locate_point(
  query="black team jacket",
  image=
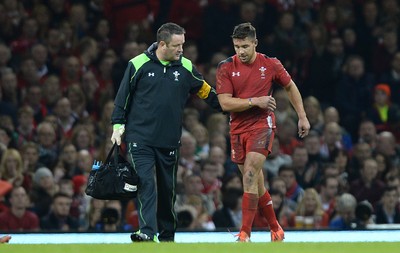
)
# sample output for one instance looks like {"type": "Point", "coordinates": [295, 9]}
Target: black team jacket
{"type": "Point", "coordinates": [152, 96]}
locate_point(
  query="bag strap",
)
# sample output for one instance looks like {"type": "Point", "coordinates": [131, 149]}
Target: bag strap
{"type": "Point", "coordinates": [116, 154]}
{"type": "Point", "coordinates": [110, 153]}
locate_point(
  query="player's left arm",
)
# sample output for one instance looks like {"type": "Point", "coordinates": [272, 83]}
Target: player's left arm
{"type": "Point", "coordinates": [297, 102]}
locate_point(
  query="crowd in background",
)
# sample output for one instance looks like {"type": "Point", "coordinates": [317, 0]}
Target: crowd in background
{"type": "Point", "coordinates": [61, 63]}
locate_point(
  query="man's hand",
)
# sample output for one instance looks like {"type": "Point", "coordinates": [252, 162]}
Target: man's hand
{"type": "Point", "coordinates": [118, 131]}
{"type": "Point", "coordinates": [265, 102]}
{"type": "Point", "coordinates": [304, 127]}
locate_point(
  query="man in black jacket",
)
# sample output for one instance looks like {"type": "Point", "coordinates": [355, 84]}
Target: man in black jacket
{"type": "Point", "coordinates": [149, 105]}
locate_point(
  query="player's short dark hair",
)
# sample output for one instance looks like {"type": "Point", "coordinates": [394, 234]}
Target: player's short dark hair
{"type": "Point", "coordinates": [165, 32]}
{"type": "Point", "coordinates": [244, 30]}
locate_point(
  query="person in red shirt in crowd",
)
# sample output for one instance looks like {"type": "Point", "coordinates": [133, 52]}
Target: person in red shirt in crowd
{"type": "Point", "coordinates": [244, 87]}
{"type": "Point", "coordinates": [121, 13]}
{"type": "Point", "coordinates": [18, 218]}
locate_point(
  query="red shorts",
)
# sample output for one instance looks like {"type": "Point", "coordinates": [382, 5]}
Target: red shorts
{"type": "Point", "coordinates": [259, 141]}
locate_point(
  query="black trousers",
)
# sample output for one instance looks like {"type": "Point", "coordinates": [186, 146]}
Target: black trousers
{"type": "Point", "coordinates": [156, 168]}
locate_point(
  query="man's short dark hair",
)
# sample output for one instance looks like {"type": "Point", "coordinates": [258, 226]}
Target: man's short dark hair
{"type": "Point", "coordinates": [244, 30]}
{"type": "Point", "coordinates": [165, 32]}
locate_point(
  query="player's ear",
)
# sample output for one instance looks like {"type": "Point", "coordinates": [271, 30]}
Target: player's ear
{"type": "Point", "coordinates": [255, 42]}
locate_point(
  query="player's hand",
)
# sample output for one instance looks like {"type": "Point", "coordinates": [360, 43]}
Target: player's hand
{"type": "Point", "coordinates": [118, 131]}
{"type": "Point", "coordinates": [266, 102]}
{"type": "Point", "coordinates": [304, 127]}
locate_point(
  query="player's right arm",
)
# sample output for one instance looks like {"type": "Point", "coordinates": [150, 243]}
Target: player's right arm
{"type": "Point", "coordinates": [232, 104]}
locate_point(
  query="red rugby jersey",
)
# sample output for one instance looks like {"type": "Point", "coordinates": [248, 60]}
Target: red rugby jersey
{"type": "Point", "coordinates": [247, 81]}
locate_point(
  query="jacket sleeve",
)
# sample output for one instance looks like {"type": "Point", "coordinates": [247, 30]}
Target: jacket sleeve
{"type": "Point", "coordinates": [205, 91]}
{"type": "Point", "coordinates": [124, 95]}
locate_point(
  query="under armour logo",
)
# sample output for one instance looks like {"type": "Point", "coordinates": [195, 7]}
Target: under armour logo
{"type": "Point", "coordinates": [235, 73]}
{"type": "Point", "coordinates": [172, 153]}
{"type": "Point", "coordinates": [134, 145]}
{"type": "Point", "coordinates": [151, 74]}
{"type": "Point", "coordinates": [176, 74]}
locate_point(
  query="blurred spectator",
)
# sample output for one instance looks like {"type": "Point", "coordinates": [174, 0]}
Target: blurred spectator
{"type": "Point", "coordinates": [67, 165]}
{"type": "Point", "coordinates": [200, 133]}
{"type": "Point", "coordinates": [129, 50]}
{"type": "Point", "coordinates": [307, 173]}
{"type": "Point", "coordinates": [331, 114]}
{"type": "Point", "coordinates": [387, 146]}
{"type": "Point", "coordinates": [83, 138]}
{"type": "Point", "coordinates": [368, 187]}
{"type": "Point", "coordinates": [211, 182]}
{"type": "Point", "coordinates": [230, 215]}
{"type": "Point", "coordinates": [217, 38]}
{"type": "Point", "coordinates": [202, 220]}
{"type": "Point", "coordinates": [51, 92]}
{"type": "Point", "coordinates": [88, 52]}
{"type": "Point", "coordinates": [391, 76]}
{"type": "Point", "coordinates": [33, 99]}
{"type": "Point", "coordinates": [26, 124]}
{"type": "Point", "coordinates": [41, 13]}
{"type": "Point", "coordinates": [121, 13]}
{"type": "Point", "coordinates": [314, 112]}
{"type": "Point", "coordinates": [368, 28]}
{"type": "Point", "coordinates": [384, 114]}
{"type": "Point", "coordinates": [94, 214]}
{"type": "Point", "coordinates": [367, 133]}
{"type": "Point", "coordinates": [283, 110]}
{"type": "Point", "coordinates": [81, 202]}
{"type": "Point", "coordinates": [331, 18]}
{"type": "Point", "coordinates": [278, 184]}
{"type": "Point", "coordinates": [101, 32]}
{"type": "Point", "coordinates": [65, 116]}
{"type": "Point", "coordinates": [383, 52]}
{"type": "Point", "coordinates": [59, 218]}
{"type": "Point", "coordinates": [290, 41]}
{"type": "Point", "coordinates": [12, 167]}
{"type": "Point", "coordinates": [48, 148]}
{"type": "Point", "coordinates": [310, 212]}
{"type": "Point", "coordinates": [286, 133]}
{"type": "Point", "coordinates": [189, 14]}
{"type": "Point", "coordinates": [78, 102]}
{"type": "Point", "coordinates": [28, 36]}
{"type": "Point", "coordinates": [345, 213]}
{"type": "Point", "coordinates": [30, 157]}
{"type": "Point", "coordinates": [43, 190]}
{"type": "Point", "coordinates": [188, 158]}
{"type": "Point", "coordinates": [293, 190]}
{"type": "Point", "coordinates": [191, 117]}
{"type": "Point", "coordinates": [5, 57]}
{"type": "Point", "coordinates": [40, 57]}
{"type": "Point", "coordinates": [353, 93]}
{"type": "Point", "coordinates": [275, 160]}
{"type": "Point", "coordinates": [329, 189]}
{"type": "Point", "coordinates": [71, 72]}
{"type": "Point", "coordinates": [388, 211]}
{"type": "Point", "coordinates": [9, 86]}
{"type": "Point", "coordinates": [18, 218]}
{"type": "Point", "coordinates": [362, 151]}
{"type": "Point", "coordinates": [332, 139]}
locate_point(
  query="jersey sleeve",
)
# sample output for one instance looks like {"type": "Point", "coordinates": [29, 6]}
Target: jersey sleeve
{"type": "Point", "coordinates": [282, 77]}
{"type": "Point", "coordinates": [224, 83]}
